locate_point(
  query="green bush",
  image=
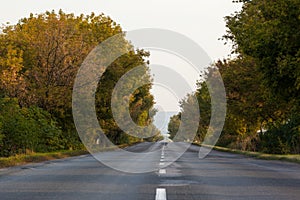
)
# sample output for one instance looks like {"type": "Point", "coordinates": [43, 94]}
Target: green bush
{"type": "Point", "coordinates": [1, 135]}
{"type": "Point", "coordinates": [282, 138]}
{"type": "Point", "coordinates": [27, 129]}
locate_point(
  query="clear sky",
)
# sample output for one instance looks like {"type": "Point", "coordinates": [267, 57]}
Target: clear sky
{"type": "Point", "coordinates": [200, 20]}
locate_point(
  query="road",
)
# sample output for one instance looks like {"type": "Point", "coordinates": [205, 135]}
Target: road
{"type": "Point", "coordinates": [219, 176]}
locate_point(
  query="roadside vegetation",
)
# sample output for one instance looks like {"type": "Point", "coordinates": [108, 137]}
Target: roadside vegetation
{"type": "Point", "coordinates": [39, 59]}
{"type": "Point", "coordinates": [262, 80]}
{"type": "Point", "coordinates": [33, 157]}
{"type": "Point", "coordinates": [21, 159]}
{"type": "Point", "coordinates": [259, 155]}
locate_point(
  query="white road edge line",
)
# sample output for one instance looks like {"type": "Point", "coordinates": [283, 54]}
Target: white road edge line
{"type": "Point", "coordinates": [161, 194]}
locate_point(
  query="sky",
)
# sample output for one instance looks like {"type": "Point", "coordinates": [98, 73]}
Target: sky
{"type": "Point", "coordinates": [200, 20]}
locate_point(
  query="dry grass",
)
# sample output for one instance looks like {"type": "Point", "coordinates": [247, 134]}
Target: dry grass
{"type": "Point", "coordinates": [37, 157]}
{"type": "Point", "coordinates": [289, 157]}
{"type": "Point", "coordinates": [41, 157]}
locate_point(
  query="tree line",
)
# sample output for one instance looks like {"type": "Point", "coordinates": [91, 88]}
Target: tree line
{"type": "Point", "coordinates": [262, 82]}
{"type": "Point", "coordinates": [39, 60]}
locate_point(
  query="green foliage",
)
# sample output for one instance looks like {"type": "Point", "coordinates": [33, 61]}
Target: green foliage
{"type": "Point", "coordinates": [282, 138]}
{"type": "Point", "coordinates": [250, 108]}
{"type": "Point", "coordinates": [39, 59]}
{"type": "Point", "coordinates": [251, 105]}
{"type": "Point", "coordinates": [173, 125]}
{"type": "Point", "coordinates": [204, 101]}
{"type": "Point", "coordinates": [184, 126]}
{"type": "Point", "coordinates": [262, 83]}
{"type": "Point", "coordinates": [140, 101]}
{"type": "Point", "coordinates": [27, 129]}
{"type": "Point", "coordinates": [269, 31]}
{"type": "Point", "coordinates": [1, 132]}
{"type": "Point", "coordinates": [42, 54]}
{"type": "Point", "coordinates": [266, 33]}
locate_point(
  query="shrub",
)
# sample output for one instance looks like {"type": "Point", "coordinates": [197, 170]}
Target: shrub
{"type": "Point", "coordinates": [27, 129]}
{"type": "Point", "coordinates": [283, 138]}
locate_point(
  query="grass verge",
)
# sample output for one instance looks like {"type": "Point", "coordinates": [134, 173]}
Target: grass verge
{"type": "Point", "coordinates": [289, 157]}
{"type": "Point", "coordinates": [41, 157]}
{"type": "Point", "coordinates": [37, 157]}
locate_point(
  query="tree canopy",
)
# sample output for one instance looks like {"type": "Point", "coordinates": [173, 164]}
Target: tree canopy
{"type": "Point", "coordinates": [269, 32]}
{"type": "Point", "coordinates": [39, 60]}
{"type": "Point", "coordinates": [262, 82]}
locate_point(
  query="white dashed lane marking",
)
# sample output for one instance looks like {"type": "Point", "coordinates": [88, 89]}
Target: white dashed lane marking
{"type": "Point", "coordinates": [161, 194]}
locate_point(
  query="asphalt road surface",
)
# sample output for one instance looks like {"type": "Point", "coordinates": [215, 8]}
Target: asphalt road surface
{"type": "Point", "coordinates": [218, 176]}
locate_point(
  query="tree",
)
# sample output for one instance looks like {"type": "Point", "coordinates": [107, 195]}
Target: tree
{"type": "Point", "coordinates": [46, 51]}
{"type": "Point", "coordinates": [173, 125]}
{"type": "Point", "coordinates": [11, 82]}
{"type": "Point", "coordinates": [251, 106]}
{"type": "Point", "coordinates": [204, 101]}
{"type": "Point", "coordinates": [140, 101]}
{"type": "Point", "coordinates": [269, 31]}
{"type": "Point", "coordinates": [40, 57]}
{"type": "Point", "coordinates": [262, 83]}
